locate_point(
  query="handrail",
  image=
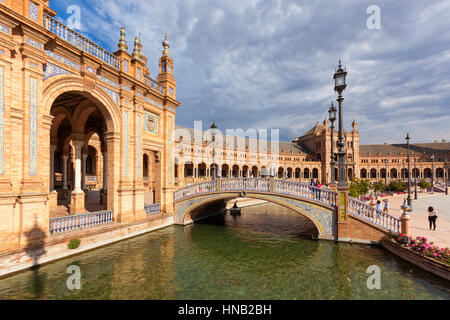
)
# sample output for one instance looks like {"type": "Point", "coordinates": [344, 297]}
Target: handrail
{"type": "Point", "coordinates": [284, 187]}
{"type": "Point", "coordinates": [366, 212]}
{"type": "Point", "coordinates": [70, 223]}
{"type": "Point", "coordinates": [79, 41]}
{"type": "Point", "coordinates": [152, 208]}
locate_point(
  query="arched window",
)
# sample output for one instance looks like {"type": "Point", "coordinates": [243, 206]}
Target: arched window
{"type": "Point", "coordinates": [89, 164]}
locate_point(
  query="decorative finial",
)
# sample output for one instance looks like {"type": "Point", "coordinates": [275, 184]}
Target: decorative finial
{"type": "Point", "coordinates": [122, 42]}
{"type": "Point", "coordinates": [136, 48]}
{"type": "Point", "coordinates": [140, 46]}
{"type": "Point", "coordinates": [166, 46]}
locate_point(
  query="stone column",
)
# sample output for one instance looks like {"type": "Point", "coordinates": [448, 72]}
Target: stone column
{"type": "Point", "coordinates": [65, 158]}
{"type": "Point", "coordinates": [52, 167]}
{"type": "Point", "coordinates": [77, 181]}
{"type": "Point", "coordinates": [77, 196]}
{"type": "Point", "coordinates": [83, 176]}
{"type": "Point", "coordinates": [53, 196]}
{"type": "Point", "coordinates": [104, 190]}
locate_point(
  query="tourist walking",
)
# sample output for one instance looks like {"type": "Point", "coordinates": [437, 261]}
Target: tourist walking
{"type": "Point", "coordinates": [432, 216]}
{"type": "Point", "coordinates": [386, 206]}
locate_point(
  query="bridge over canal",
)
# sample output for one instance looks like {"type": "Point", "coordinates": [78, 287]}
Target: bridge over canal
{"type": "Point", "coordinates": [336, 215]}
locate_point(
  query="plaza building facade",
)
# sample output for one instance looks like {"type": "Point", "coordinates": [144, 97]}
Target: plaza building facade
{"type": "Point", "coordinates": [81, 129]}
{"type": "Point", "coordinates": [306, 157]}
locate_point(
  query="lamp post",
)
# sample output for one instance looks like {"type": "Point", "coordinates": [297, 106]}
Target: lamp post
{"type": "Point", "coordinates": [415, 179]}
{"type": "Point", "coordinates": [386, 173]}
{"type": "Point", "coordinates": [446, 176]}
{"type": "Point", "coordinates": [332, 117]}
{"type": "Point", "coordinates": [409, 170]}
{"type": "Point", "coordinates": [339, 87]}
{"type": "Point", "coordinates": [213, 138]}
{"type": "Point", "coordinates": [432, 173]}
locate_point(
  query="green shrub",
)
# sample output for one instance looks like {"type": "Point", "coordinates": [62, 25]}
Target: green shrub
{"type": "Point", "coordinates": [424, 184]}
{"type": "Point", "coordinates": [397, 186]}
{"type": "Point", "coordinates": [73, 244]}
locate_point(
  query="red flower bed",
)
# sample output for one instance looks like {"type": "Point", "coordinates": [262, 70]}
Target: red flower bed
{"type": "Point", "coordinates": [421, 245]}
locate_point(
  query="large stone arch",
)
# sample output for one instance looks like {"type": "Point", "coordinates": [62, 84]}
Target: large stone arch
{"type": "Point", "coordinates": [322, 216]}
{"type": "Point", "coordinates": [57, 85]}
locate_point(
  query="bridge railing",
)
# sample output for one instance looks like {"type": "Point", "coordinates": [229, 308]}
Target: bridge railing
{"type": "Point", "coordinates": [285, 187]}
{"type": "Point", "coordinates": [366, 212]}
{"type": "Point", "coordinates": [80, 42]}
{"type": "Point", "coordinates": [70, 223]}
{"type": "Point", "coordinates": [304, 190]}
{"type": "Point", "coordinates": [246, 184]}
{"type": "Point", "coordinates": [199, 188]}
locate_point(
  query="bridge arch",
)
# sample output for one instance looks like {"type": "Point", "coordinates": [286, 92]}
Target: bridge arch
{"type": "Point", "coordinates": [321, 216]}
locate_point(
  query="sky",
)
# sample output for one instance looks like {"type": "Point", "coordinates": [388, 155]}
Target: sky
{"type": "Point", "coordinates": [268, 64]}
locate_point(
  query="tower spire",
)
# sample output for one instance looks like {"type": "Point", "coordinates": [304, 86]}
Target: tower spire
{"type": "Point", "coordinates": [137, 43]}
{"type": "Point", "coordinates": [122, 42]}
{"type": "Point", "coordinates": [166, 46]}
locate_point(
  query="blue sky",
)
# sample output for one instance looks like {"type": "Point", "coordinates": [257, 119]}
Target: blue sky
{"type": "Point", "coordinates": [269, 64]}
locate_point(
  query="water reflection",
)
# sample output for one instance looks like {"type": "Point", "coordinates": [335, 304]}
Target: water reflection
{"type": "Point", "coordinates": [254, 256]}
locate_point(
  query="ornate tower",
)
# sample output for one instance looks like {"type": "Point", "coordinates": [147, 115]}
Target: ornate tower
{"type": "Point", "coordinates": [165, 76]}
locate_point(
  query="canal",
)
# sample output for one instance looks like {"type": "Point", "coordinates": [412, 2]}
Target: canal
{"type": "Point", "coordinates": [265, 253]}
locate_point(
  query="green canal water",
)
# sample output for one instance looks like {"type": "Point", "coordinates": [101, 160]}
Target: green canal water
{"type": "Point", "coordinates": [262, 254]}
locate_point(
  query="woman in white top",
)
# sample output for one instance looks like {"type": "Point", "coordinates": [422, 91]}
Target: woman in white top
{"type": "Point", "coordinates": [432, 216]}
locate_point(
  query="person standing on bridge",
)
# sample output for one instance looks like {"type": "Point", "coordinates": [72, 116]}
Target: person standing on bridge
{"type": "Point", "coordinates": [386, 206]}
{"type": "Point", "coordinates": [432, 216]}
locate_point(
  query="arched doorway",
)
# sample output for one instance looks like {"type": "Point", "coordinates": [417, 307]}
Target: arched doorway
{"type": "Point", "coordinates": [79, 127]}
{"type": "Point", "coordinates": [245, 171]}
{"type": "Point", "coordinates": [225, 171]}
{"type": "Point", "coordinates": [235, 171]}
{"type": "Point", "coordinates": [280, 173]}
{"type": "Point", "coordinates": [363, 174]}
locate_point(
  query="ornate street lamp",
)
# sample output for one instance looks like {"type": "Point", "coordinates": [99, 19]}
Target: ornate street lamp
{"type": "Point", "coordinates": [432, 173]}
{"type": "Point", "coordinates": [332, 116]}
{"type": "Point", "coordinates": [415, 179]}
{"type": "Point", "coordinates": [213, 139]}
{"type": "Point", "coordinates": [409, 170]}
{"type": "Point", "coordinates": [446, 176]}
{"type": "Point", "coordinates": [386, 173]}
{"type": "Point", "coordinates": [339, 86]}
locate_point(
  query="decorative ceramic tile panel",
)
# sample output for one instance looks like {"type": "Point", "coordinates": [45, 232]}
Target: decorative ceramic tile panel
{"type": "Point", "coordinates": [2, 121]}
{"type": "Point", "coordinates": [138, 160]}
{"type": "Point", "coordinates": [90, 69]}
{"type": "Point", "coordinates": [125, 87]}
{"type": "Point", "coordinates": [50, 70]}
{"type": "Point", "coordinates": [125, 143]}
{"type": "Point", "coordinates": [34, 11]}
{"type": "Point", "coordinates": [33, 125]}
{"type": "Point", "coordinates": [125, 65]}
{"type": "Point", "coordinates": [63, 60]}
{"type": "Point", "coordinates": [155, 103]}
{"type": "Point", "coordinates": [151, 122]}
{"type": "Point", "coordinates": [5, 29]}
{"type": "Point", "coordinates": [114, 95]}
{"type": "Point", "coordinates": [34, 43]}
{"type": "Point", "coordinates": [110, 82]}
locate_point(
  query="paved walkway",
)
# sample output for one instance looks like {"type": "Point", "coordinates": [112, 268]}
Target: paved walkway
{"type": "Point", "coordinates": [419, 216]}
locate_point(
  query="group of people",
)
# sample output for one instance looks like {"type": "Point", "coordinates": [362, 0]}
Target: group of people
{"type": "Point", "coordinates": [432, 213]}
{"type": "Point", "coordinates": [379, 207]}
{"type": "Point", "coordinates": [316, 183]}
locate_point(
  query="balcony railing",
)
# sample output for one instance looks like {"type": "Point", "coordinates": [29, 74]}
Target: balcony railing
{"type": "Point", "coordinates": [152, 208]}
{"type": "Point", "coordinates": [80, 41]}
{"type": "Point", "coordinates": [70, 223]}
{"type": "Point", "coordinates": [154, 85]}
